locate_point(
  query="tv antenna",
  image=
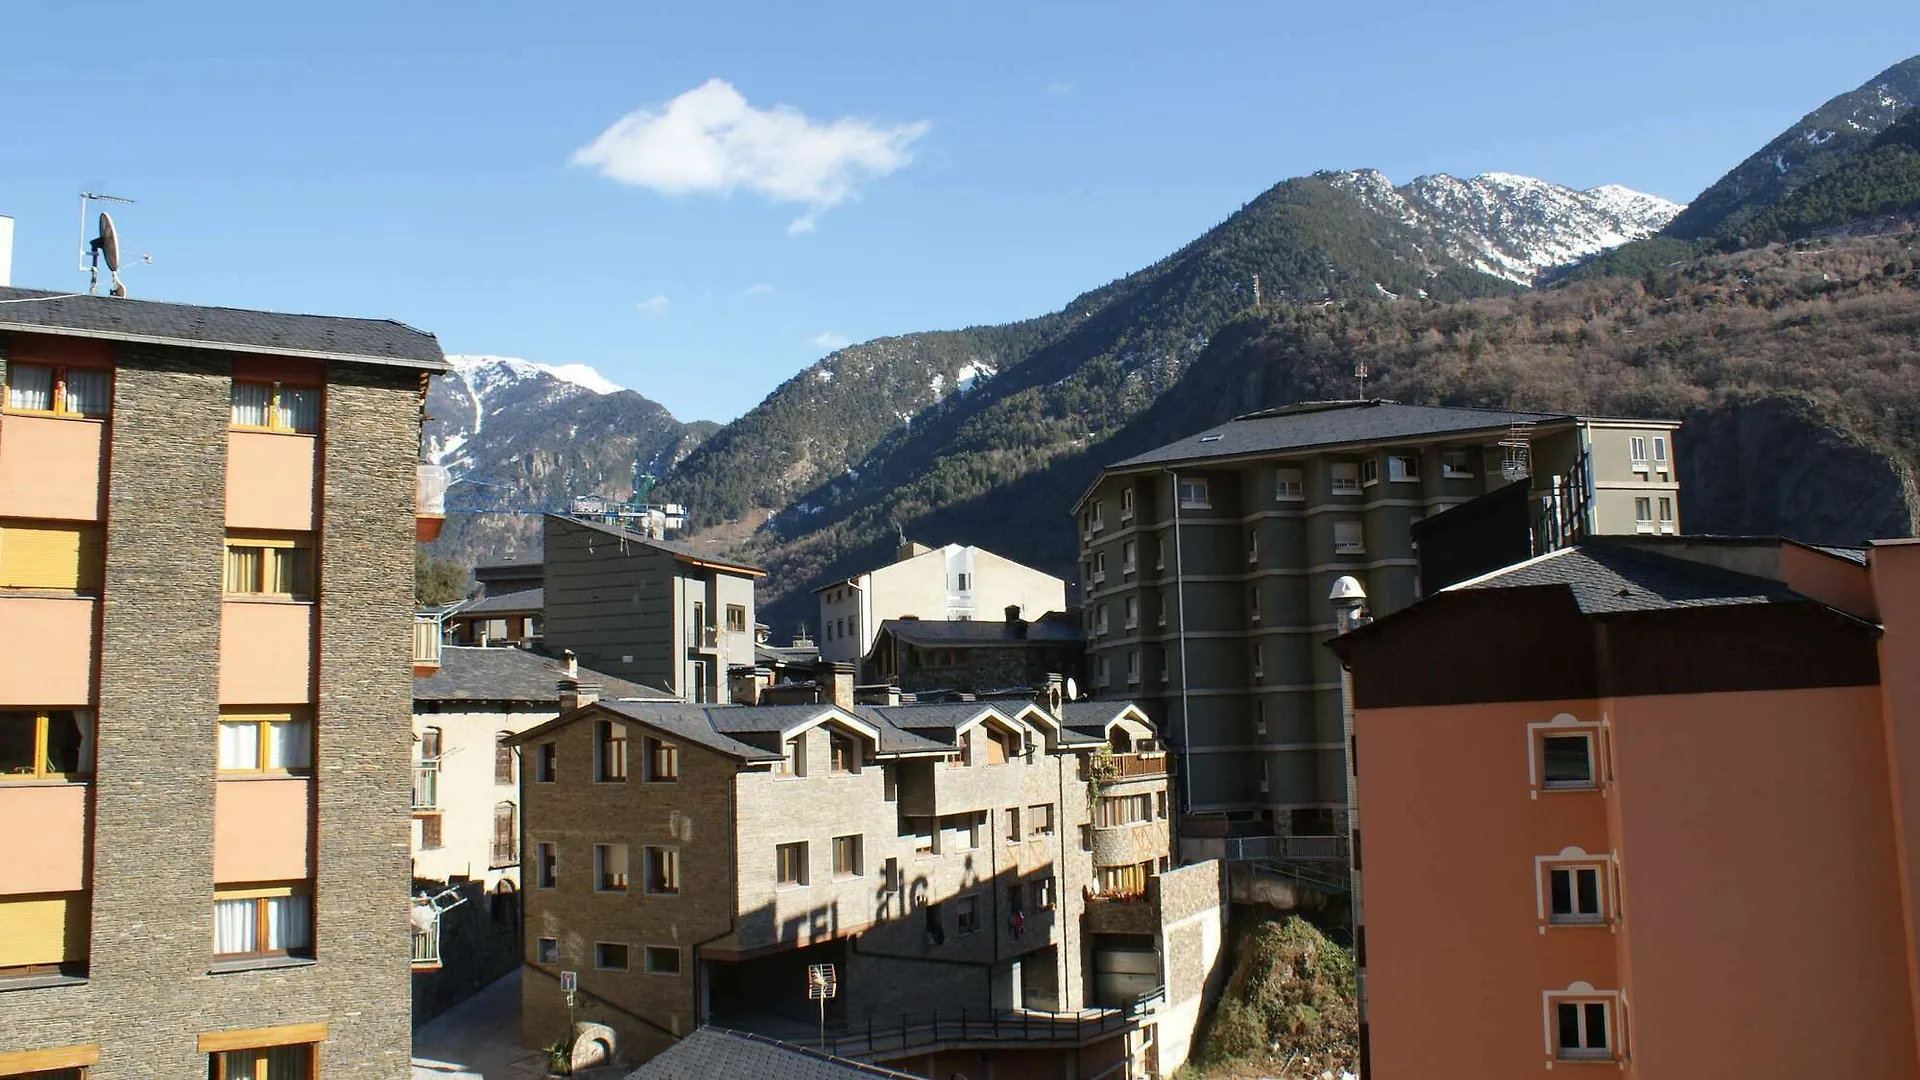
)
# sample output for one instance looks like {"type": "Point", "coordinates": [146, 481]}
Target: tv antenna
{"type": "Point", "coordinates": [106, 245]}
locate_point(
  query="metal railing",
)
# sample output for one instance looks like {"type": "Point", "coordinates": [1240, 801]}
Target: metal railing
{"type": "Point", "coordinates": [426, 945]}
{"type": "Point", "coordinates": [1303, 848]}
{"type": "Point", "coordinates": [908, 1033]}
{"type": "Point", "coordinates": [426, 785]}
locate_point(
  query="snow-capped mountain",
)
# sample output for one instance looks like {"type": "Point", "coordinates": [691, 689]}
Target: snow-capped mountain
{"type": "Point", "coordinates": [522, 437]}
{"type": "Point", "coordinates": [1507, 225]}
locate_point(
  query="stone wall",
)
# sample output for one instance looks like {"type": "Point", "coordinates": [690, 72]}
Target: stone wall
{"type": "Point", "coordinates": [1193, 915]}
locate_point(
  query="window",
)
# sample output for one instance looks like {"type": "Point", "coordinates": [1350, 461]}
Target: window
{"type": "Point", "coordinates": [431, 838]}
{"type": "Point", "coordinates": [546, 950]}
{"type": "Point", "coordinates": [1100, 672]}
{"type": "Point", "coordinates": [1159, 554]}
{"type": "Point", "coordinates": [1349, 538]}
{"type": "Point", "coordinates": [1194, 495]}
{"type": "Point", "coordinates": [962, 582]}
{"type": "Point", "coordinates": [1643, 514]}
{"type": "Point", "coordinates": [292, 1062]}
{"type": "Point", "coordinates": [964, 757]}
{"type": "Point", "coordinates": [663, 871]}
{"type": "Point", "coordinates": [272, 921]}
{"type": "Point", "coordinates": [1253, 603]}
{"type": "Point", "coordinates": [1100, 620]}
{"type": "Point", "coordinates": [936, 926]}
{"type": "Point", "coordinates": [609, 752]}
{"type": "Point", "coordinates": [502, 758]}
{"type": "Point", "coordinates": [737, 618]}
{"type": "Point", "coordinates": [1040, 820]}
{"type": "Point", "coordinates": [1369, 472]}
{"type": "Point", "coordinates": [45, 744]}
{"type": "Point", "coordinates": [791, 863]}
{"type": "Point", "coordinates": [1581, 1030]}
{"type": "Point", "coordinates": [1289, 485]}
{"type": "Point", "coordinates": [1666, 514]}
{"type": "Point", "coordinates": [1160, 805]}
{"type": "Point", "coordinates": [1345, 477]}
{"type": "Point", "coordinates": [1574, 893]}
{"type": "Point", "coordinates": [268, 741]}
{"type": "Point", "coordinates": [1456, 463]}
{"type": "Point", "coordinates": [546, 866]}
{"type": "Point", "coordinates": [506, 837]}
{"type": "Point", "coordinates": [661, 960]}
{"type": "Point", "coordinates": [1133, 666]}
{"type": "Point", "coordinates": [63, 391]}
{"type": "Point", "coordinates": [846, 856]}
{"type": "Point", "coordinates": [1086, 838]}
{"type": "Point", "coordinates": [1126, 504]}
{"type": "Point", "coordinates": [1122, 880]}
{"type": "Point", "coordinates": [795, 761]}
{"type": "Point", "coordinates": [1403, 468]}
{"type": "Point", "coordinates": [1164, 606]}
{"type": "Point", "coordinates": [276, 406]}
{"type": "Point", "coordinates": [52, 558]}
{"type": "Point", "coordinates": [967, 914]}
{"type": "Point", "coordinates": [45, 935]}
{"type": "Point", "coordinates": [1567, 761]}
{"type": "Point", "coordinates": [1099, 514]}
{"type": "Point", "coordinates": [663, 761]}
{"type": "Point", "coordinates": [1126, 557]}
{"type": "Point", "coordinates": [1258, 660]}
{"type": "Point", "coordinates": [269, 564]}
{"type": "Point", "coordinates": [844, 752]}
{"type": "Point", "coordinates": [976, 826]}
{"type": "Point", "coordinates": [1660, 452]}
{"type": "Point", "coordinates": [925, 836]}
{"type": "Point", "coordinates": [1013, 824]}
{"type": "Point", "coordinates": [1045, 894]}
{"type": "Point", "coordinates": [1099, 566]}
{"type": "Point", "coordinates": [1637, 453]}
{"type": "Point", "coordinates": [610, 867]}
{"type": "Point", "coordinates": [1130, 612]}
{"type": "Point", "coordinates": [1002, 746]}
{"type": "Point", "coordinates": [543, 763]}
{"type": "Point", "coordinates": [1116, 810]}
{"type": "Point", "coordinates": [610, 955]}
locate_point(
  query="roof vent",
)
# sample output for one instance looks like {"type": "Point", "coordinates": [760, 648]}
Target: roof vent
{"type": "Point", "coordinates": [1209, 438]}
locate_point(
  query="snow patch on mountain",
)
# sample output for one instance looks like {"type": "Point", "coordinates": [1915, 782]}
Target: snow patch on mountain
{"type": "Point", "coordinates": [491, 371]}
{"type": "Point", "coordinates": [1508, 225]}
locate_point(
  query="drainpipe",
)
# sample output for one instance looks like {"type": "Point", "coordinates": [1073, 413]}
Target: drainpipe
{"type": "Point", "coordinates": [1180, 605]}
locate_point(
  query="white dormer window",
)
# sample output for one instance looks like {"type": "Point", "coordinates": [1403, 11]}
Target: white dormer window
{"type": "Point", "coordinates": [1289, 485]}
{"type": "Point", "coordinates": [1346, 478]}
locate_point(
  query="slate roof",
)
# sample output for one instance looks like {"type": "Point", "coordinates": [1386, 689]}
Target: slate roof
{"type": "Point", "coordinates": [522, 600]}
{"type": "Point", "coordinates": [1090, 718]}
{"type": "Point", "coordinates": [1329, 423]}
{"type": "Point", "coordinates": [1052, 628]}
{"type": "Point", "coordinates": [1606, 579]}
{"type": "Point", "coordinates": [677, 550]}
{"type": "Point", "coordinates": [1851, 554]}
{"type": "Point", "coordinates": [471, 673]}
{"type": "Point", "coordinates": [711, 1053]}
{"type": "Point", "coordinates": [325, 337]}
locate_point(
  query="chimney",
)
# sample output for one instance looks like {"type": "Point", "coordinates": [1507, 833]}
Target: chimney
{"type": "Point", "coordinates": [908, 550]}
{"type": "Point", "coordinates": [1051, 695]}
{"type": "Point", "coordinates": [837, 677]}
{"type": "Point", "coordinates": [1018, 624]}
{"type": "Point", "coordinates": [573, 663]}
{"type": "Point", "coordinates": [6, 250]}
{"type": "Point", "coordinates": [575, 694]}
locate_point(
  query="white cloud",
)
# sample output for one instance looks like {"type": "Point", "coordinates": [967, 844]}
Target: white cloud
{"type": "Point", "coordinates": [758, 288]}
{"type": "Point", "coordinates": [1059, 89]}
{"type": "Point", "coordinates": [710, 141]}
{"type": "Point", "coordinates": [829, 341]}
{"type": "Point", "coordinates": [802, 225]}
{"type": "Point", "coordinates": [654, 305]}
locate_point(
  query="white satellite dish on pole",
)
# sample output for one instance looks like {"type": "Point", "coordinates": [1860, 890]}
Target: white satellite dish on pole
{"type": "Point", "coordinates": [105, 245]}
{"type": "Point", "coordinates": [1073, 689]}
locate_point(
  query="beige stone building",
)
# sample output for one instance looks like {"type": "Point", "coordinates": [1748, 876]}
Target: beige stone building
{"type": "Point", "coordinates": [1206, 566]}
{"type": "Point", "coordinates": [207, 522]}
{"type": "Point", "coordinates": [984, 877]}
{"type": "Point", "coordinates": [950, 583]}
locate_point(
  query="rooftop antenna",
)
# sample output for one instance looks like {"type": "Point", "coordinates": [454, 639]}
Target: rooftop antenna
{"type": "Point", "coordinates": [1360, 373]}
{"type": "Point", "coordinates": [106, 244]}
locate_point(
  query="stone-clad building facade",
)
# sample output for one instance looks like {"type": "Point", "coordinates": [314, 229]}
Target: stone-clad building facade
{"type": "Point", "coordinates": [690, 863]}
{"type": "Point", "coordinates": [206, 518]}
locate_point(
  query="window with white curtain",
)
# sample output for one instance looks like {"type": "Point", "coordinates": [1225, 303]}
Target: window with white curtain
{"type": "Point", "coordinates": [270, 565]}
{"type": "Point", "coordinates": [276, 406]}
{"type": "Point", "coordinates": [267, 922]}
{"type": "Point", "coordinates": [30, 386]}
{"type": "Point", "coordinates": [87, 391]}
{"type": "Point", "coordinates": [265, 741]}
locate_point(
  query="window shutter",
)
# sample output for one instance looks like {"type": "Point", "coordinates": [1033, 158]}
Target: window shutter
{"type": "Point", "coordinates": [50, 557]}
{"type": "Point", "coordinates": [43, 930]}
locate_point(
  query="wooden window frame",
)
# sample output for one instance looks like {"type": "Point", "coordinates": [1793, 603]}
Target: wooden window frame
{"type": "Point", "coordinates": [59, 409]}
{"type": "Point", "coordinates": [610, 767]}
{"type": "Point", "coordinates": [502, 758]}
{"type": "Point", "coordinates": [648, 952]}
{"type": "Point", "coordinates": [269, 543]}
{"type": "Point", "coordinates": [259, 895]}
{"type": "Point", "coordinates": [658, 752]}
{"type": "Point", "coordinates": [273, 406]}
{"type": "Point", "coordinates": [263, 721]}
{"type": "Point", "coordinates": [546, 758]}
{"type": "Point", "coordinates": [26, 1063]}
{"type": "Point", "coordinates": [546, 865]}
{"type": "Point", "coordinates": [507, 854]}
{"type": "Point", "coordinates": [966, 915]}
{"type": "Point", "coordinates": [739, 625]}
{"type": "Point", "coordinates": [215, 1044]}
{"type": "Point", "coordinates": [793, 856]}
{"type": "Point", "coordinates": [843, 753]}
{"type": "Point", "coordinates": [42, 724]}
{"type": "Point", "coordinates": [604, 879]}
{"type": "Point", "coordinates": [433, 836]}
{"type": "Point", "coordinates": [670, 861]}
{"type": "Point", "coordinates": [855, 866]}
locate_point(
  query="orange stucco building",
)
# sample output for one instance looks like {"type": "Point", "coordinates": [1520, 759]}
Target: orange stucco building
{"type": "Point", "coordinates": [1646, 806]}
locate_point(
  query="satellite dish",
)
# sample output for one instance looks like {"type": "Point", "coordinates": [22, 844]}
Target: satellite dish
{"type": "Point", "coordinates": [107, 246]}
{"type": "Point", "coordinates": [1073, 689]}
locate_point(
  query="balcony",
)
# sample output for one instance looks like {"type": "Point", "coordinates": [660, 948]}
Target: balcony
{"type": "Point", "coordinates": [426, 785]}
{"type": "Point", "coordinates": [47, 646]}
{"type": "Point", "coordinates": [426, 945]}
{"type": "Point", "coordinates": [426, 641]}
{"type": "Point", "coordinates": [429, 501]}
{"type": "Point", "coordinates": [1115, 768]}
{"type": "Point", "coordinates": [706, 638]}
{"type": "Point", "coordinates": [1123, 915]}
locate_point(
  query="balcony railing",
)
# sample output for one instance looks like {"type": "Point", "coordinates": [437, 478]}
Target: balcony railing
{"type": "Point", "coordinates": [426, 945]}
{"type": "Point", "coordinates": [426, 785]}
{"type": "Point", "coordinates": [894, 1036]}
{"type": "Point", "coordinates": [426, 639]}
{"type": "Point", "coordinates": [1127, 766]}
{"type": "Point", "coordinates": [706, 637]}
{"type": "Point", "coordinates": [505, 853]}
{"type": "Point", "coordinates": [1305, 848]}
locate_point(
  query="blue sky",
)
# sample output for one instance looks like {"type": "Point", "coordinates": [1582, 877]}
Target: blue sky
{"type": "Point", "coordinates": [423, 162]}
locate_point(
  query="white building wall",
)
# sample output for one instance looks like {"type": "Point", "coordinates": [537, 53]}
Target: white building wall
{"type": "Point", "coordinates": [927, 586]}
{"type": "Point", "coordinates": [468, 791]}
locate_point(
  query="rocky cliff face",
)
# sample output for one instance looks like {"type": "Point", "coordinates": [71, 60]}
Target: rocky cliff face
{"type": "Point", "coordinates": [1775, 466]}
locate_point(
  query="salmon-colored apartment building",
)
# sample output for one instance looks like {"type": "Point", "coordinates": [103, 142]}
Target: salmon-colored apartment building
{"type": "Point", "coordinates": [1645, 807]}
{"type": "Point", "coordinates": [207, 518]}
